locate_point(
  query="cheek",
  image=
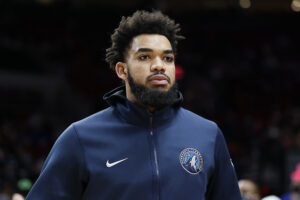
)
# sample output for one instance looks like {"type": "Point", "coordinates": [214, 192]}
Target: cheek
{"type": "Point", "coordinates": [139, 72]}
{"type": "Point", "coordinates": [172, 74]}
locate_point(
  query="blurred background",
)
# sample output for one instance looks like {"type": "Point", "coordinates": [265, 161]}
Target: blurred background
{"type": "Point", "coordinates": [239, 66]}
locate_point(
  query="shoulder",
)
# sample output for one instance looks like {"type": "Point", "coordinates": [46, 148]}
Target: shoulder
{"type": "Point", "coordinates": [89, 124]}
{"type": "Point", "coordinates": [101, 116]}
{"type": "Point", "coordinates": [106, 113]}
{"type": "Point", "coordinates": [96, 124]}
{"type": "Point", "coordinates": [190, 117]}
{"type": "Point", "coordinates": [76, 133]}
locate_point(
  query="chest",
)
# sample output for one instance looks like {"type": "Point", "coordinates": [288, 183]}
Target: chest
{"type": "Point", "coordinates": [154, 160]}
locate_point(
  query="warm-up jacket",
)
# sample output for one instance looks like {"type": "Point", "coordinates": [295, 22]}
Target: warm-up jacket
{"type": "Point", "coordinates": [126, 152]}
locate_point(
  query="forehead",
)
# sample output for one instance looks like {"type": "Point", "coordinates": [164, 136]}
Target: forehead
{"type": "Point", "coordinates": [151, 41]}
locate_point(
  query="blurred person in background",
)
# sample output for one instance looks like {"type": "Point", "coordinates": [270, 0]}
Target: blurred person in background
{"type": "Point", "coordinates": [145, 145]}
{"type": "Point", "coordinates": [249, 190]}
{"type": "Point", "coordinates": [271, 197]}
{"type": "Point", "coordinates": [294, 193]}
{"type": "Point", "coordinates": [17, 196]}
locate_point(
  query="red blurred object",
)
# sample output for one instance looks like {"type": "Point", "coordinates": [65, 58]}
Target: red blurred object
{"type": "Point", "coordinates": [295, 176]}
{"type": "Point", "coordinates": [179, 72]}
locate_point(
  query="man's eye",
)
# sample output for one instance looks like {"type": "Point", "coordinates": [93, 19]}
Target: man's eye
{"type": "Point", "coordinates": [169, 59]}
{"type": "Point", "coordinates": [144, 57]}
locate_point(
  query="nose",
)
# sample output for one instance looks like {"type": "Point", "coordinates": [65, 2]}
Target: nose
{"type": "Point", "coordinates": [158, 65]}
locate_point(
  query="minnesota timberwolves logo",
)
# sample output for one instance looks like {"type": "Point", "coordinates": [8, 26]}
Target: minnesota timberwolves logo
{"type": "Point", "coordinates": [191, 160]}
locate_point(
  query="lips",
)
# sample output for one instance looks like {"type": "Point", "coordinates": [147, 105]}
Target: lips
{"type": "Point", "coordinates": [159, 79]}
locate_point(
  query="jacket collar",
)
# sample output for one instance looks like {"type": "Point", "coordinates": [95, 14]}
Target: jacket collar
{"type": "Point", "coordinates": [136, 114]}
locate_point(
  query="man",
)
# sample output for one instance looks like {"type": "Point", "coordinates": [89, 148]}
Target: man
{"type": "Point", "coordinates": [249, 190]}
{"type": "Point", "coordinates": [144, 146]}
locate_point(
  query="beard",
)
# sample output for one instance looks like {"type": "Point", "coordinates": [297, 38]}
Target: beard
{"type": "Point", "coordinates": [153, 97]}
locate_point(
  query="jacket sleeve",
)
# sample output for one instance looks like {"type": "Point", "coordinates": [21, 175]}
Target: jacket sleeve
{"type": "Point", "coordinates": [223, 183]}
{"type": "Point", "coordinates": [64, 172]}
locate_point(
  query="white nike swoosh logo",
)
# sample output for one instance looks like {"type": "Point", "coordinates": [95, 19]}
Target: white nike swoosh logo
{"type": "Point", "coordinates": [114, 163]}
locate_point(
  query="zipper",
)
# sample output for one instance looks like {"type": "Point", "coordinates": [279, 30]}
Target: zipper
{"type": "Point", "coordinates": [155, 156]}
{"type": "Point", "coordinates": [154, 149]}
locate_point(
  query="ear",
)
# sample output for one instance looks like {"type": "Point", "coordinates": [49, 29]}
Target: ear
{"type": "Point", "coordinates": [121, 70]}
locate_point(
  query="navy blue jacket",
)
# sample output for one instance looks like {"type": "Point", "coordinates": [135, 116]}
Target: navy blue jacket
{"type": "Point", "coordinates": [127, 153]}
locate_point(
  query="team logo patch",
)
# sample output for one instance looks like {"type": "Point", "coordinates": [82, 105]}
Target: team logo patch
{"type": "Point", "coordinates": [191, 160]}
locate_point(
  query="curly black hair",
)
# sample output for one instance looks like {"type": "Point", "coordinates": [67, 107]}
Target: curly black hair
{"type": "Point", "coordinates": [140, 22]}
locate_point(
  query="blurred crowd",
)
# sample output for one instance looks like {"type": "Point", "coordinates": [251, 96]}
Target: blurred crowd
{"type": "Point", "coordinates": [237, 72]}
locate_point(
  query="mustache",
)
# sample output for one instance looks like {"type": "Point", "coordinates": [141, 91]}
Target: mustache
{"type": "Point", "coordinates": [159, 73]}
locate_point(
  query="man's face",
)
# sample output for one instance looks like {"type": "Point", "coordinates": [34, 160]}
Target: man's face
{"type": "Point", "coordinates": [150, 61]}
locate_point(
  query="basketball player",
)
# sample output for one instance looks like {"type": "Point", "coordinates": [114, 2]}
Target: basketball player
{"type": "Point", "coordinates": [144, 146]}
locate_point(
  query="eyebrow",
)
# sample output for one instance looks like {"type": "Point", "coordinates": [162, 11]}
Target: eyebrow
{"type": "Point", "coordinates": [168, 51]}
